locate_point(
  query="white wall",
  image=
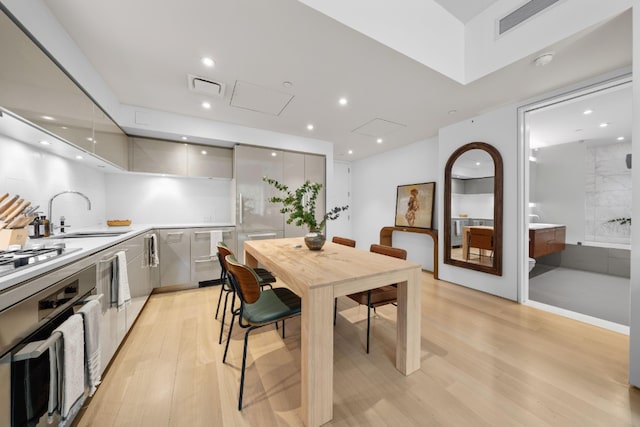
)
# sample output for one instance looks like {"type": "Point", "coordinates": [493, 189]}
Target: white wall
{"type": "Point", "coordinates": [498, 128]}
{"type": "Point", "coordinates": [375, 181]}
{"type": "Point", "coordinates": [37, 175]}
{"type": "Point", "coordinates": [150, 199]}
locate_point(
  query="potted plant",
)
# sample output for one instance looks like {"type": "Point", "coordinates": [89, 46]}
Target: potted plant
{"type": "Point", "coordinates": [300, 204]}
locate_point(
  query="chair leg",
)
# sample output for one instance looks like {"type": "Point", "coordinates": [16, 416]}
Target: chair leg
{"type": "Point", "coordinates": [244, 365]}
{"type": "Point", "coordinates": [220, 300]}
{"type": "Point", "coordinates": [368, 318]}
{"type": "Point", "coordinates": [224, 315]}
{"type": "Point", "coordinates": [335, 310]}
{"type": "Point", "coordinates": [226, 347]}
{"type": "Point", "coordinates": [282, 328]}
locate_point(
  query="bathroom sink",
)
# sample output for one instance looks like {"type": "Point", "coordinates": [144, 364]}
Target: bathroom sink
{"type": "Point", "coordinates": [85, 234]}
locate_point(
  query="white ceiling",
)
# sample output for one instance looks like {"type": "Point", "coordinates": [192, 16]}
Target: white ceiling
{"type": "Point", "coordinates": [144, 52]}
{"type": "Point", "coordinates": [464, 10]}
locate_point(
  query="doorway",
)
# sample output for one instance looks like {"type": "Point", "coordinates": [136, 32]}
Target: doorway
{"type": "Point", "coordinates": [577, 201]}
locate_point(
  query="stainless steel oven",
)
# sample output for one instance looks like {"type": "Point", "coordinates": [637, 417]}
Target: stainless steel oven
{"type": "Point", "coordinates": [24, 376]}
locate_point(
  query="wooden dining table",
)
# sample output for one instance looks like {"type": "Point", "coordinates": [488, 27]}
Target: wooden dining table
{"type": "Point", "coordinates": [320, 276]}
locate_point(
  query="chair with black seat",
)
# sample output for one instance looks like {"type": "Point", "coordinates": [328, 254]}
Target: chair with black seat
{"type": "Point", "coordinates": [384, 295]}
{"type": "Point", "coordinates": [265, 276]}
{"type": "Point", "coordinates": [480, 238]}
{"type": "Point", "coordinates": [258, 307]}
{"type": "Point", "coordinates": [344, 241]}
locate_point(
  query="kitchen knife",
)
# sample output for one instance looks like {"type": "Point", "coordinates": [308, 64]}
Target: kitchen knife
{"type": "Point", "coordinates": [7, 205]}
{"type": "Point", "coordinates": [14, 207]}
{"type": "Point", "coordinates": [21, 221]}
{"type": "Point", "coordinates": [17, 211]}
{"type": "Point", "coordinates": [4, 196]}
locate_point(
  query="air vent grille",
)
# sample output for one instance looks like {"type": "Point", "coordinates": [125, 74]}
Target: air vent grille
{"type": "Point", "coordinates": [523, 13]}
{"type": "Point", "coordinates": [204, 85]}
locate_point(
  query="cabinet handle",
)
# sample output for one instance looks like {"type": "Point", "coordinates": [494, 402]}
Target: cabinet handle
{"type": "Point", "coordinates": [240, 213]}
{"type": "Point", "coordinates": [253, 236]}
{"type": "Point", "coordinates": [176, 233]}
{"type": "Point", "coordinates": [200, 261]}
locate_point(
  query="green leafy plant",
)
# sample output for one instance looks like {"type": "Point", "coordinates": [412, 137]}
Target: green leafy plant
{"type": "Point", "coordinates": [300, 204]}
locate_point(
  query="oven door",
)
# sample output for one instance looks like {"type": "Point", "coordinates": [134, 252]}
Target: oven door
{"type": "Point", "coordinates": [24, 377]}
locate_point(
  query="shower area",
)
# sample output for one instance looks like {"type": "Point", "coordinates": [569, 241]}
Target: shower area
{"type": "Point", "coordinates": [580, 182]}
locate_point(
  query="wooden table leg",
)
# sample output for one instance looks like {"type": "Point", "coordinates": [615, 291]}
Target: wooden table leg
{"type": "Point", "coordinates": [317, 356]}
{"type": "Point", "coordinates": [408, 324]}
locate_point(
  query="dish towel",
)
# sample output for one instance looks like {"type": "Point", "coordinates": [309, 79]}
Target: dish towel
{"type": "Point", "coordinates": [70, 363]}
{"type": "Point", "coordinates": [215, 236]}
{"type": "Point", "coordinates": [154, 261]}
{"type": "Point", "coordinates": [91, 313]}
{"type": "Point", "coordinates": [458, 228]}
{"type": "Point", "coordinates": [124, 293]}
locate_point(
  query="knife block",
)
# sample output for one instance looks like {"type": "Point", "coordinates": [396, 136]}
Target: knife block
{"type": "Point", "coordinates": [13, 236]}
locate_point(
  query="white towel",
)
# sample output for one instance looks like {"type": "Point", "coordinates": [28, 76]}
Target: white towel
{"type": "Point", "coordinates": [70, 355]}
{"type": "Point", "coordinates": [124, 293]}
{"type": "Point", "coordinates": [458, 228]}
{"type": "Point", "coordinates": [154, 260]}
{"type": "Point", "coordinates": [215, 236]}
{"type": "Point", "coordinates": [54, 389]}
{"type": "Point", "coordinates": [91, 313]}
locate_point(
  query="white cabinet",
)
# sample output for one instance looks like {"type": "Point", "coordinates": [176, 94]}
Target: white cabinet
{"type": "Point", "coordinates": [204, 259]}
{"type": "Point", "coordinates": [175, 257]}
{"type": "Point", "coordinates": [209, 161]}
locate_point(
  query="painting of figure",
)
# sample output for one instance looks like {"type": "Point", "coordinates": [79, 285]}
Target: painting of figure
{"type": "Point", "coordinates": [414, 205]}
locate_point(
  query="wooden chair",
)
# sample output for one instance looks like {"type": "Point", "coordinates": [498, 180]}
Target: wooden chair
{"type": "Point", "coordinates": [380, 296]}
{"type": "Point", "coordinates": [266, 279]}
{"type": "Point", "coordinates": [258, 307]}
{"type": "Point", "coordinates": [344, 241]}
{"type": "Point", "coordinates": [480, 238]}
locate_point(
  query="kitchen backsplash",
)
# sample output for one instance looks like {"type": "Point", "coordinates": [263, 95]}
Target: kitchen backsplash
{"type": "Point", "coordinates": [37, 175]}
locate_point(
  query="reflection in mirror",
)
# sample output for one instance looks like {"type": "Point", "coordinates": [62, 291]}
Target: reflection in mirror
{"type": "Point", "coordinates": [473, 208]}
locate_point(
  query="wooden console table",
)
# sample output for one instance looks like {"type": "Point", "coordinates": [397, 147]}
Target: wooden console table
{"type": "Point", "coordinates": [386, 239]}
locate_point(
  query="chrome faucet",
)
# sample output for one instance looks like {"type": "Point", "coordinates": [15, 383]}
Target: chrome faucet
{"type": "Point", "coordinates": [53, 227]}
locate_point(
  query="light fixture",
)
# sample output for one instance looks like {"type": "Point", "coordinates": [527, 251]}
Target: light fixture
{"type": "Point", "coordinates": [203, 152]}
{"type": "Point", "coordinates": [532, 159]}
{"type": "Point", "coordinates": [64, 127]}
{"type": "Point", "coordinates": [89, 138]}
{"type": "Point", "coordinates": [79, 157]}
{"type": "Point", "coordinates": [604, 125]}
{"type": "Point", "coordinates": [47, 117]}
{"type": "Point", "coordinates": [477, 163]}
{"type": "Point", "coordinates": [287, 84]}
{"type": "Point", "coordinates": [620, 138]}
{"type": "Point", "coordinates": [544, 59]}
{"type": "Point", "coordinates": [587, 112]}
{"type": "Point", "coordinates": [274, 154]}
{"type": "Point", "coordinates": [184, 138]}
{"type": "Point", "coordinates": [208, 62]}
{"type": "Point", "coordinates": [309, 126]}
{"type": "Point", "coordinates": [350, 151]}
{"type": "Point", "coordinates": [379, 140]}
{"type": "Point", "coordinates": [43, 142]}
{"type": "Point", "coordinates": [206, 105]}
{"type": "Point", "coordinates": [343, 101]}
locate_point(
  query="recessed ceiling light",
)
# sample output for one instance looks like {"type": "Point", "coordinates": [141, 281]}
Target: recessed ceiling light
{"type": "Point", "coordinates": [309, 126]}
{"type": "Point", "coordinates": [79, 157]}
{"type": "Point", "coordinates": [604, 125]}
{"type": "Point", "coordinates": [287, 84]}
{"type": "Point", "coordinates": [620, 138]}
{"type": "Point", "coordinates": [343, 101]}
{"type": "Point", "coordinates": [206, 105]}
{"type": "Point", "coordinates": [89, 138]}
{"type": "Point", "coordinates": [379, 140]}
{"type": "Point", "coordinates": [477, 163]}
{"type": "Point", "coordinates": [543, 59]}
{"type": "Point", "coordinates": [43, 142]}
{"type": "Point", "coordinates": [274, 154]}
{"type": "Point", "coordinates": [184, 138]}
{"type": "Point", "coordinates": [350, 151]}
{"type": "Point", "coordinates": [208, 62]}
{"type": "Point", "coordinates": [587, 112]}
{"type": "Point", "coordinates": [203, 152]}
{"type": "Point", "coordinates": [47, 117]}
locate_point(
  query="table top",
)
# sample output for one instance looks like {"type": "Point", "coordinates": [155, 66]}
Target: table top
{"type": "Point", "coordinates": [335, 264]}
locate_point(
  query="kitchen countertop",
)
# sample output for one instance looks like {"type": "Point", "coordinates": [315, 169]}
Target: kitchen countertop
{"type": "Point", "coordinates": [88, 246]}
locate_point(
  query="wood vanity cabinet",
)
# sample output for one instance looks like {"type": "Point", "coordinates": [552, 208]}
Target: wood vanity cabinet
{"type": "Point", "coordinates": [545, 241]}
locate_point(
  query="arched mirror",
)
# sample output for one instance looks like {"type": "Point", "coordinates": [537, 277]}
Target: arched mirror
{"type": "Point", "coordinates": [473, 208]}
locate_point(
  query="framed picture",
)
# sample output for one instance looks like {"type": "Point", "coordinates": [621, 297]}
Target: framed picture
{"type": "Point", "coordinates": [414, 205]}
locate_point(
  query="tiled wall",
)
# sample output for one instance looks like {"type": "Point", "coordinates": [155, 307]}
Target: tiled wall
{"type": "Point", "coordinates": [615, 262]}
{"type": "Point", "coordinates": [607, 193]}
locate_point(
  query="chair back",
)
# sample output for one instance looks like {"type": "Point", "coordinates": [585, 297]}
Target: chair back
{"type": "Point", "coordinates": [481, 238]}
{"type": "Point", "coordinates": [246, 281]}
{"type": "Point", "coordinates": [389, 251]}
{"type": "Point", "coordinates": [223, 251]}
{"type": "Point", "coordinates": [344, 241]}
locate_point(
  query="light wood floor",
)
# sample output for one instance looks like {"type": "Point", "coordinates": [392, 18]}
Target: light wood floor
{"type": "Point", "coordinates": [486, 361]}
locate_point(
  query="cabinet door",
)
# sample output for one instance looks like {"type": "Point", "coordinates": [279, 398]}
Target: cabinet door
{"type": "Point", "coordinates": [175, 257]}
{"type": "Point", "coordinates": [204, 259]}
{"type": "Point", "coordinates": [156, 156]}
{"type": "Point", "coordinates": [209, 161]}
{"type": "Point", "coordinates": [139, 287]}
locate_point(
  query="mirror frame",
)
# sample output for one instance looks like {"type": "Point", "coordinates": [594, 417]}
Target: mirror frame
{"type": "Point", "coordinates": [496, 268]}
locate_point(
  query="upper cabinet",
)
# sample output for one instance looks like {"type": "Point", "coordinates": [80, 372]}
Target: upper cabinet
{"type": "Point", "coordinates": [175, 158]}
{"type": "Point", "coordinates": [35, 88]}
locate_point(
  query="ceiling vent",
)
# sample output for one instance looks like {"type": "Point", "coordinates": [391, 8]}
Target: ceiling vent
{"type": "Point", "coordinates": [204, 85]}
{"type": "Point", "coordinates": [523, 13]}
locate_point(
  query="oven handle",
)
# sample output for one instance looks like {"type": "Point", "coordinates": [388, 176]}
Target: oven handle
{"type": "Point", "coordinates": [37, 348]}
